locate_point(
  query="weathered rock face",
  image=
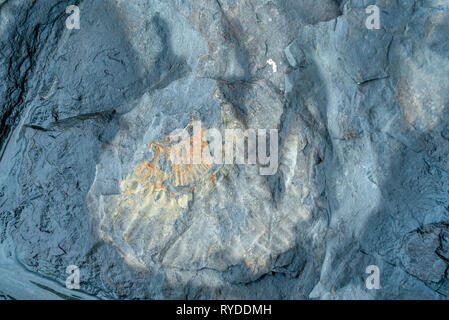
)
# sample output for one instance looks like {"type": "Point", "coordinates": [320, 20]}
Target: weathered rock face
{"type": "Point", "coordinates": [362, 174]}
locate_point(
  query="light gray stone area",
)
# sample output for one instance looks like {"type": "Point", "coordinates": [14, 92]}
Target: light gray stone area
{"type": "Point", "coordinates": [363, 171]}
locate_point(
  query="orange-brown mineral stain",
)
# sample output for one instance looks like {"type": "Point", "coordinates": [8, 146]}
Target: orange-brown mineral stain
{"type": "Point", "coordinates": [188, 172]}
{"type": "Point", "coordinates": [150, 190]}
{"type": "Point", "coordinates": [154, 175]}
{"type": "Point", "coordinates": [149, 174]}
{"type": "Point", "coordinates": [157, 191]}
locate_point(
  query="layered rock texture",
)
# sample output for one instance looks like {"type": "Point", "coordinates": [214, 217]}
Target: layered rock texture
{"type": "Point", "coordinates": [363, 166]}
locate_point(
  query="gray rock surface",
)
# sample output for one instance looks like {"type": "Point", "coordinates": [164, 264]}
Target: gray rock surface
{"type": "Point", "coordinates": [363, 149]}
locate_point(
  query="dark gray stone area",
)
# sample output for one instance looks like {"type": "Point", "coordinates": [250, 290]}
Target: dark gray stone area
{"type": "Point", "coordinates": [363, 174]}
